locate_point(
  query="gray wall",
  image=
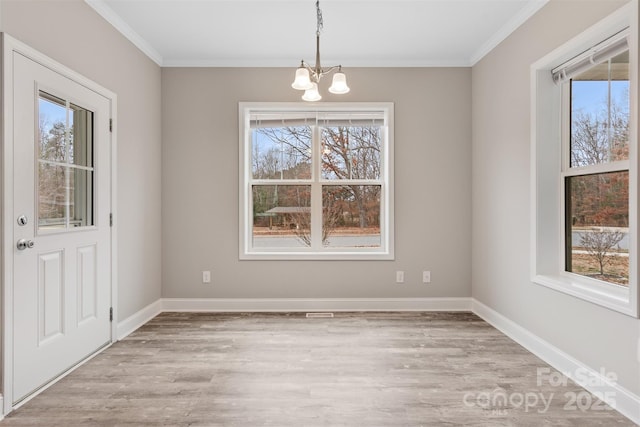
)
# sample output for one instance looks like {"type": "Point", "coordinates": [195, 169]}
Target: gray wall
{"type": "Point", "coordinates": [596, 336]}
{"type": "Point", "coordinates": [200, 186]}
{"type": "Point", "coordinates": [72, 33]}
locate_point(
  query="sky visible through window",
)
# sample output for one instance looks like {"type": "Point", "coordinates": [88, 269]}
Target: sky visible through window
{"type": "Point", "coordinates": [52, 112]}
{"type": "Point", "coordinates": [590, 97]}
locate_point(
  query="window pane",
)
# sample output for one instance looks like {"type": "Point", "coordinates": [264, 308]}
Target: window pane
{"type": "Point", "coordinates": [80, 198]}
{"type": "Point", "coordinates": [597, 209]}
{"type": "Point", "coordinates": [351, 152]}
{"type": "Point", "coordinates": [52, 128]}
{"type": "Point", "coordinates": [600, 113]}
{"type": "Point", "coordinates": [281, 152]}
{"type": "Point", "coordinates": [281, 216]}
{"type": "Point", "coordinates": [52, 196]}
{"type": "Point", "coordinates": [80, 136]}
{"type": "Point", "coordinates": [351, 216]}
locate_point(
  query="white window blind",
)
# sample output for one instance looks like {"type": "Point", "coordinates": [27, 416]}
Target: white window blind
{"type": "Point", "coordinates": [313, 118]}
{"type": "Point", "coordinates": [613, 46]}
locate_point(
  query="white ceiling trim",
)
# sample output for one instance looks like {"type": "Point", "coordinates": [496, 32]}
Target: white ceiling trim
{"type": "Point", "coordinates": [250, 63]}
{"type": "Point", "coordinates": [114, 19]}
{"type": "Point", "coordinates": [514, 23]}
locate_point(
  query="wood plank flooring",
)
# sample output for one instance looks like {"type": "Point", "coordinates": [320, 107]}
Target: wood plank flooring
{"type": "Point", "coordinates": [356, 369]}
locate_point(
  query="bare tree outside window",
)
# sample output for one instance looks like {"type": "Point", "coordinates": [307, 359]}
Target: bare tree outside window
{"type": "Point", "coordinates": [600, 244]}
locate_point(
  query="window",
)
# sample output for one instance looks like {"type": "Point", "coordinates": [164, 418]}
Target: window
{"type": "Point", "coordinates": [584, 172]}
{"type": "Point", "coordinates": [596, 169]}
{"type": "Point", "coordinates": [65, 164]}
{"type": "Point", "coordinates": [316, 181]}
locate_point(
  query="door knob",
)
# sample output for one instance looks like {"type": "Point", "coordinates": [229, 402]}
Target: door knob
{"type": "Point", "coordinates": [25, 244]}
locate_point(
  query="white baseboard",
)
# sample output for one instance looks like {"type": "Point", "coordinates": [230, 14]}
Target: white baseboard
{"type": "Point", "coordinates": [318, 304]}
{"type": "Point", "coordinates": [133, 322]}
{"type": "Point", "coordinates": [626, 402]}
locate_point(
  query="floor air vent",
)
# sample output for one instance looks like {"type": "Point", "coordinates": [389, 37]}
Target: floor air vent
{"type": "Point", "coordinates": [314, 315]}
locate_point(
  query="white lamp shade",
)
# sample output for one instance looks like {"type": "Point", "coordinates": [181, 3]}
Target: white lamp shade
{"type": "Point", "coordinates": [339, 84]}
{"type": "Point", "coordinates": [302, 80]}
{"type": "Point", "coordinates": [312, 94]}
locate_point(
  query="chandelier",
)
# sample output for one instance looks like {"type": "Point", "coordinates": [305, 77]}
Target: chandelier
{"type": "Point", "coordinates": [307, 77]}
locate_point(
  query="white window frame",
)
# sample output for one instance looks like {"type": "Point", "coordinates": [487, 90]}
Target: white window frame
{"type": "Point", "coordinates": [548, 171]}
{"type": "Point", "coordinates": [246, 249]}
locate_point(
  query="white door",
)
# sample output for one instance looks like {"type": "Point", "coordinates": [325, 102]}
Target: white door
{"type": "Point", "coordinates": [62, 262]}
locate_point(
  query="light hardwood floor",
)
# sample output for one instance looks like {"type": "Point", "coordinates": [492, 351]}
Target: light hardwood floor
{"type": "Point", "coordinates": [357, 369]}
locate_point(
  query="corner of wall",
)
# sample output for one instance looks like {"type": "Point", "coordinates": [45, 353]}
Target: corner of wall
{"type": "Point", "coordinates": [136, 320]}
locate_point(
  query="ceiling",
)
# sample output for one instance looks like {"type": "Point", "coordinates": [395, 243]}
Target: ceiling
{"type": "Point", "coordinates": [279, 33]}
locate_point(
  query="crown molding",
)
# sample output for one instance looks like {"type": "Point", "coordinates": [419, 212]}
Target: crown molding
{"type": "Point", "coordinates": [514, 23]}
{"type": "Point", "coordinates": [119, 24]}
{"type": "Point", "coordinates": [292, 63]}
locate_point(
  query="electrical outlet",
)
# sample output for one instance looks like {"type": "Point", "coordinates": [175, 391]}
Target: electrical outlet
{"type": "Point", "coordinates": [206, 277]}
{"type": "Point", "coordinates": [399, 276]}
{"type": "Point", "coordinates": [426, 277]}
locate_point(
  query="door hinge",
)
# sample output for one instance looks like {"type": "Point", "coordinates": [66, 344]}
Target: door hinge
{"type": "Point", "coordinates": [110, 314]}
{"type": "Point", "coordinates": [110, 125]}
{"type": "Point", "coordinates": [110, 220]}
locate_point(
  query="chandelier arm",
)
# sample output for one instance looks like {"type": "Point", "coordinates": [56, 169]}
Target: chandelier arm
{"type": "Point", "coordinates": [316, 73]}
{"type": "Point", "coordinates": [329, 70]}
{"type": "Point", "coordinates": [312, 72]}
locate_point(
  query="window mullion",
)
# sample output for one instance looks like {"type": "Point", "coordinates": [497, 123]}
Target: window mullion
{"type": "Point", "coordinates": [316, 190]}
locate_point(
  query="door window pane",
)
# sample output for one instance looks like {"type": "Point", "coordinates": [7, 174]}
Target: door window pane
{"type": "Point", "coordinates": [52, 128]}
{"type": "Point", "coordinates": [65, 170]}
{"type": "Point", "coordinates": [80, 197]}
{"type": "Point", "coordinates": [597, 209]}
{"type": "Point", "coordinates": [52, 195]}
{"type": "Point", "coordinates": [80, 136]}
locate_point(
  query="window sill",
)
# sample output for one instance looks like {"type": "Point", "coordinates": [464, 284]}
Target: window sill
{"type": "Point", "coordinates": [317, 256]}
{"type": "Point", "coordinates": [613, 297]}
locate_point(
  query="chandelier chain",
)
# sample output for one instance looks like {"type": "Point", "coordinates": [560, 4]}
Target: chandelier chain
{"type": "Point", "coordinates": [319, 21]}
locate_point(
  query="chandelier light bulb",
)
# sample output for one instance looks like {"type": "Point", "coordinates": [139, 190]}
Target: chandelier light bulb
{"type": "Point", "coordinates": [339, 84]}
{"type": "Point", "coordinates": [302, 80]}
{"type": "Point", "coordinates": [312, 94]}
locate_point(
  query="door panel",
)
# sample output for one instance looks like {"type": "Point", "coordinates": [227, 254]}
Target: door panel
{"type": "Point", "coordinates": [62, 186]}
{"type": "Point", "coordinates": [87, 283]}
{"type": "Point", "coordinates": [50, 296]}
